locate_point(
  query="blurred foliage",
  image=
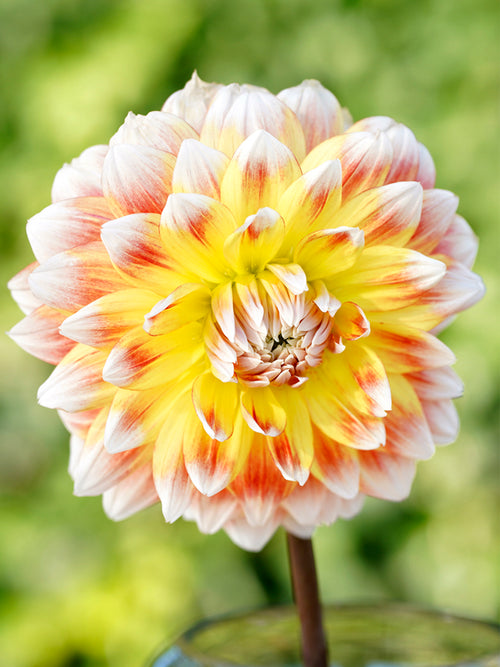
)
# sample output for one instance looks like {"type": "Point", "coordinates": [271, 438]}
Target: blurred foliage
{"type": "Point", "coordinates": [77, 590]}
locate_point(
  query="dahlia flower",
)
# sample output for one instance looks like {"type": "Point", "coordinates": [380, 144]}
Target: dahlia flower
{"type": "Point", "coordinates": [241, 295]}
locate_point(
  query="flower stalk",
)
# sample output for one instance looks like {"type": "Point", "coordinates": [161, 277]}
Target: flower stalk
{"type": "Point", "coordinates": [306, 596]}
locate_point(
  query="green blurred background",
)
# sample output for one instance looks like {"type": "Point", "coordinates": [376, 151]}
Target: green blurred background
{"type": "Point", "coordinates": [77, 590]}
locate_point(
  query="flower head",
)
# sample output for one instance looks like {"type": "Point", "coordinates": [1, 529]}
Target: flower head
{"type": "Point", "coordinates": [241, 295]}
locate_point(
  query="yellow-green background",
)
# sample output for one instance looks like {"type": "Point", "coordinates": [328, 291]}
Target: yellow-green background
{"type": "Point", "coordinates": [77, 590]}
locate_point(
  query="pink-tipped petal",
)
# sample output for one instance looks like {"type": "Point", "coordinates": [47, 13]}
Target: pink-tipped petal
{"type": "Point", "coordinates": [157, 129]}
{"type": "Point", "coordinates": [38, 334]}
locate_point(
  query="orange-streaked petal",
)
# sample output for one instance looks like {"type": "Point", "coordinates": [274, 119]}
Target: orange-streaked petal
{"type": "Point", "coordinates": [38, 334]}
{"type": "Point", "coordinates": [250, 247]}
{"type": "Point", "coordinates": [434, 384]}
{"type": "Point", "coordinates": [326, 252]}
{"type": "Point", "coordinates": [262, 411]}
{"type": "Point", "coordinates": [104, 321]}
{"type": "Point", "coordinates": [404, 349]}
{"type": "Point", "coordinates": [350, 322]}
{"type": "Point", "coordinates": [310, 202]}
{"type": "Point", "coordinates": [137, 179]}
{"type": "Point", "coordinates": [138, 253]}
{"type": "Point", "coordinates": [216, 405]}
{"type": "Point", "coordinates": [72, 279]}
{"type": "Point", "coordinates": [293, 449]}
{"type": "Point", "coordinates": [460, 243]}
{"type": "Point", "coordinates": [199, 169]}
{"type": "Point", "coordinates": [387, 278]}
{"type": "Point", "coordinates": [194, 227]}
{"type": "Point", "coordinates": [21, 291]}
{"type": "Point", "coordinates": [130, 495]}
{"type": "Point", "coordinates": [368, 371]}
{"type": "Point", "coordinates": [76, 383]}
{"type": "Point", "coordinates": [442, 419]}
{"type": "Point", "coordinates": [336, 466]}
{"type": "Point", "coordinates": [438, 212]}
{"type": "Point", "coordinates": [386, 475]}
{"type": "Point", "coordinates": [317, 109]}
{"type": "Point", "coordinates": [67, 224]}
{"type": "Point", "coordinates": [260, 171]}
{"type": "Point", "coordinates": [387, 214]}
{"type": "Point", "coordinates": [365, 159]}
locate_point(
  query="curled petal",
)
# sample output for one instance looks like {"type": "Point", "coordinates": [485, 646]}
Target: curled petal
{"type": "Point", "coordinates": [317, 109]}
{"type": "Point", "coordinates": [104, 321]}
{"type": "Point", "coordinates": [194, 228]}
{"type": "Point", "coordinates": [388, 214]}
{"type": "Point", "coordinates": [76, 383]}
{"type": "Point", "coordinates": [187, 303]}
{"type": "Point", "coordinates": [192, 102]}
{"type": "Point", "coordinates": [221, 353]}
{"type": "Point", "coordinates": [199, 169]}
{"type": "Point", "coordinates": [137, 179]}
{"type": "Point", "coordinates": [326, 252]}
{"type": "Point", "coordinates": [262, 411]}
{"type": "Point", "coordinates": [365, 159]}
{"type": "Point", "coordinates": [238, 111]}
{"type": "Point", "coordinates": [82, 176]}
{"type": "Point", "coordinates": [256, 242]}
{"type": "Point", "coordinates": [291, 275]}
{"type": "Point", "coordinates": [215, 403]}
{"type": "Point", "coordinates": [310, 202]}
{"type": "Point", "coordinates": [38, 334]}
{"type": "Point", "coordinates": [157, 129]}
{"type": "Point", "coordinates": [260, 171]}
{"type": "Point", "coordinates": [350, 322]}
{"type": "Point", "coordinates": [67, 224]}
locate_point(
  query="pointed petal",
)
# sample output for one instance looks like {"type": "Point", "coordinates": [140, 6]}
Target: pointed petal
{"type": "Point", "coordinates": [140, 361]}
{"type": "Point", "coordinates": [250, 247]}
{"type": "Point", "coordinates": [365, 159]}
{"type": "Point", "coordinates": [369, 373]}
{"type": "Point", "coordinates": [194, 227]}
{"type": "Point", "coordinates": [221, 353]}
{"type": "Point", "coordinates": [336, 466]}
{"type": "Point", "coordinates": [172, 482]}
{"type": "Point", "coordinates": [215, 403]}
{"type": "Point", "coordinates": [82, 176]}
{"type": "Point", "coordinates": [66, 225]}
{"type": "Point", "coordinates": [262, 411]}
{"type": "Point", "coordinates": [131, 494]}
{"type": "Point", "coordinates": [407, 431]}
{"type": "Point", "coordinates": [426, 170]}
{"type": "Point", "coordinates": [76, 383]}
{"type": "Point", "coordinates": [387, 278]}
{"type": "Point", "coordinates": [188, 303]}
{"type": "Point", "coordinates": [21, 291]}
{"type": "Point", "coordinates": [211, 513]}
{"type": "Point", "coordinates": [291, 275]}
{"type": "Point", "coordinates": [261, 170]}
{"type": "Point", "coordinates": [350, 322]}
{"type": "Point", "coordinates": [104, 321]}
{"type": "Point", "coordinates": [250, 538]}
{"type": "Point", "coordinates": [434, 384]}
{"type": "Point", "coordinates": [404, 349]}
{"type": "Point", "coordinates": [329, 251]}
{"type": "Point", "coordinates": [137, 179]}
{"type": "Point", "coordinates": [310, 202]}
{"type": "Point", "coordinates": [385, 475]}
{"type": "Point", "coordinates": [406, 154]}
{"type": "Point", "coordinates": [460, 243]}
{"type": "Point", "coordinates": [438, 212]}
{"type": "Point", "coordinates": [293, 450]}
{"type": "Point", "coordinates": [260, 486]}
{"type": "Point", "coordinates": [72, 279]}
{"type": "Point", "coordinates": [317, 109]}
{"type": "Point", "coordinates": [387, 214]}
{"type": "Point", "coordinates": [443, 420]}
{"type": "Point", "coordinates": [38, 334]}
{"type": "Point", "coordinates": [157, 129]}
{"type": "Point", "coordinates": [138, 253]}
{"type": "Point", "coordinates": [192, 102]}
{"type": "Point", "coordinates": [305, 503]}
{"type": "Point", "coordinates": [199, 169]}
{"type": "Point", "coordinates": [238, 111]}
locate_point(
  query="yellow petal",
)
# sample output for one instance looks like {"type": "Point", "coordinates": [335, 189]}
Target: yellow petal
{"type": "Point", "coordinates": [326, 252]}
{"type": "Point", "coordinates": [262, 411]}
{"type": "Point", "coordinates": [260, 171]}
{"type": "Point", "coordinates": [188, 303]}
{"type": "Point", "coordinates": [199, 169]}
{"type": "Point", "coordinates": [215, 403]}
{"type": "Point", "coordinates": [256, 242]}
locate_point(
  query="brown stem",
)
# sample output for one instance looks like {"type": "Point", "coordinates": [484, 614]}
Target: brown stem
{"type": "Point", "coordinates": [306, 595]}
